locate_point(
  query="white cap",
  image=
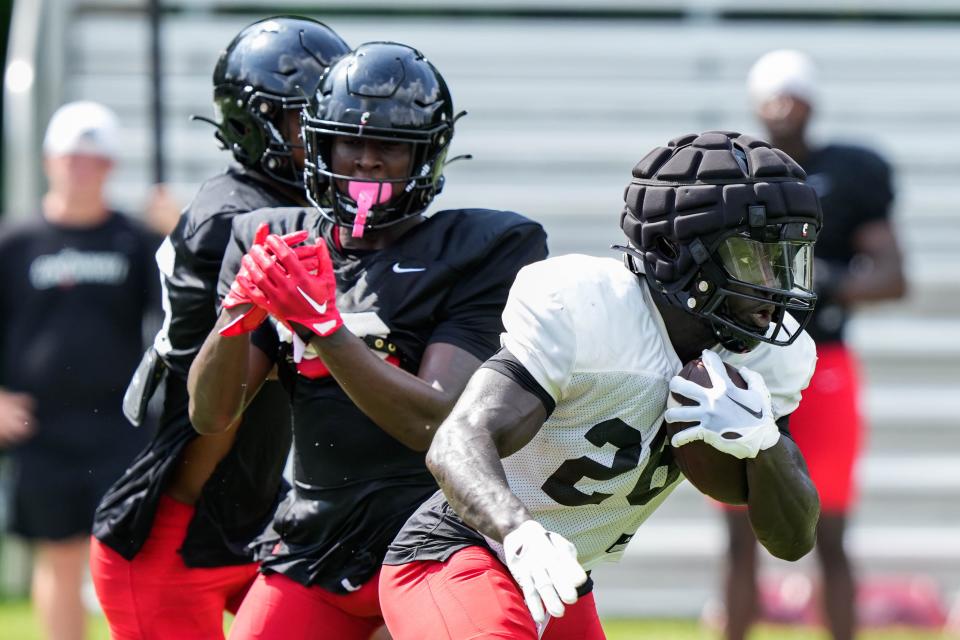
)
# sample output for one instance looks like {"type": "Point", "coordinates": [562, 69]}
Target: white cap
{"type": "Point", "coordinates": [87, 128]}
{"type": "Point", "coordinates": [783, 72]}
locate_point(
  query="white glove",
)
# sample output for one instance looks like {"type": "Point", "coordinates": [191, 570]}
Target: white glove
{"type": "Point", "coordinates": [545, 566]}
{"type": "Point", "coordinates": [735, 421]}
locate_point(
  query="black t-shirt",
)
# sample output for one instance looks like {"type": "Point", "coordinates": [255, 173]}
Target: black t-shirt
{"type": "Point", "coordinates": [445, 280]}
{"type": "Point", "coordinates": [239, 498]}
{"type": "Point", "coordinates": [855, 188]}
{"type": "Point", "coordinates": [72, 308]}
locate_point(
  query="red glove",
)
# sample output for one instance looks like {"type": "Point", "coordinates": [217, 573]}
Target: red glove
{"type": "Point", "coordinates": [254, 316]}
{"type": "Point", "coordinates": [278, 279]}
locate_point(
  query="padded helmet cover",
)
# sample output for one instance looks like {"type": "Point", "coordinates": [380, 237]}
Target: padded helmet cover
{"type": "Point", "coordinates": [687, 197]}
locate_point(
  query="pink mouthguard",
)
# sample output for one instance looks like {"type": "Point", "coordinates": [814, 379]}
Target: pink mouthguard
{"type": "Point", "coordinates": [367, 194]}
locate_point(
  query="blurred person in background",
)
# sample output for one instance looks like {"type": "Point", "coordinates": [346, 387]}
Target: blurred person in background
{"type": "Point", "coordinates": [170, 552]}
{"type": "Point", "coordinates": [857, 261]}
{"type": "Point", "coordinates": [78, 283]}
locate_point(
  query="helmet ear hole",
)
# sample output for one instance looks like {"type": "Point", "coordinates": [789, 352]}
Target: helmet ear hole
{"type": "Point", "coordinates": [667, 248]}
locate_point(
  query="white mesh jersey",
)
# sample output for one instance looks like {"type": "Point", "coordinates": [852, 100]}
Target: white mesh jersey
{"type": "Point", "coordinates": [588, 331]}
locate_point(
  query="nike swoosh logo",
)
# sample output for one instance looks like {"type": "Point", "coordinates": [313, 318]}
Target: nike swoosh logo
{"type": "Point", "coordinates": [319, 308]}
{"type": "Point", "coordinates": [349, 586]}
{"type": "Point", "coordinates": [755, 414]}
{"type": "Point", "coordinates": [398, 269]}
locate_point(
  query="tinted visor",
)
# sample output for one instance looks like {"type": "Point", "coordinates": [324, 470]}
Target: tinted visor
{"type": "Point", "coordinates": [784, 265]}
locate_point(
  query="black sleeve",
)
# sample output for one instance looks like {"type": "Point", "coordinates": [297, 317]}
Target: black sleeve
{"type": "Point", "coordinates": [236, 248]}
{"type": "Point", "coordinates": [875, 192]}
{"type": "Point", "coordinates": [507, 364]}
{"type": "Point", "coordinates": [470, 316]}
{"type": "Point", "coordinates": [241, 233]}
{"type": "Point", "coordinates": [266, 339]}
{"type": "Point", "coordinates": [784, 425]}
{"type": "Point", "coordinates": [190, 264]}
{"type": "Point", "coordinates": [265, 336]}
{"type": "Point", "coordinates": [152, 303]}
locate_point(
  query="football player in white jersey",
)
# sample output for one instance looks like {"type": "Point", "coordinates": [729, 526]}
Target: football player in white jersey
{"type": "Point", "coordinates": [556, 452]}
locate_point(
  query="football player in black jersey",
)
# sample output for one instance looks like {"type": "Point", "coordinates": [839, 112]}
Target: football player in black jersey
{"type": "Point", "coordinates": [858, 261]}
{"type": "Point", "coordinates": [171, 536]}
{"type": "Point", "coordinates": [375, 326]}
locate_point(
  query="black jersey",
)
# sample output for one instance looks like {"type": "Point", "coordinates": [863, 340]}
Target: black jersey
{"type": "Point", "coordinates": [854, 186]}
{"type": "Point", "coordinates": [190, 263]}
{"type": "Point", "coordinates": [239, 498]}
{"type": "Point", "coordinates": [72, 308]}
{"type": "Point", "coordinates": [445, 280]}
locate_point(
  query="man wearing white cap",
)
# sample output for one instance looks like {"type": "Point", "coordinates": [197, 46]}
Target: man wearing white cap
{"type": "Point", "coordinates": [77, 283]}
{"type": "Point", "coordinates": [855, 190]}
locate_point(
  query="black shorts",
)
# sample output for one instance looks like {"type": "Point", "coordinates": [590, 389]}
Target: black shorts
{"type": "Point", "coordinates": [52, 496]}
{"type": "Point", "coordinates": [435, 532]}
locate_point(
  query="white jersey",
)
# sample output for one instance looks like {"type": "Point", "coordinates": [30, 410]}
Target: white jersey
{"type": "Point", "coordinates": [590, 334]}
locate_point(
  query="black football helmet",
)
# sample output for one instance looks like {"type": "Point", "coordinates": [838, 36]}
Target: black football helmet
{"type": "Point", "coordinates": [382, 91]}
{"type": "Point", "coordinates": [273, 65]}
{"type": "Point", "coordinates": [719, 216]}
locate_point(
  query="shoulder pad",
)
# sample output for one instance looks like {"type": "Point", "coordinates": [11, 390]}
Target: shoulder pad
{"type": "Point", "coordinates": [471, 234]}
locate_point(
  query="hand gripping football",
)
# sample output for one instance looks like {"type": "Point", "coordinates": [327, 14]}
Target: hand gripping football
{"type": "Point", "coordinates": [714, 473]}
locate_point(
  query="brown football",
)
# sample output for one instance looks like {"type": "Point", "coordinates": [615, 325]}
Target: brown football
{"type": "Point", "coordinates": [716, 474]}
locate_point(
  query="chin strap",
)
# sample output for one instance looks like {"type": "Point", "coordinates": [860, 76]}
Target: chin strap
{"type": "Point", "coordinates": [216, 125]}
{"type": "Point", "coordinates": [462, 156]}
{"type": "Point", "coordinates": [630, 256]}
{"type": "Point", "coordinates": [732, 341]}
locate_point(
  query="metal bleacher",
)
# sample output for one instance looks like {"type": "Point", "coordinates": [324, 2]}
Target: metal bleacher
{"type": "Point", "coordinates": [561, 107]}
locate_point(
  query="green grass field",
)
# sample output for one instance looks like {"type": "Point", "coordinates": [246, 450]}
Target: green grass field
{"type": "Point", "coordinates": [17, 623]}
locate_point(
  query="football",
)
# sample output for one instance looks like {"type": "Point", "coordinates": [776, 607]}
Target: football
{"type": "Point", "coordinates": [716, 474]}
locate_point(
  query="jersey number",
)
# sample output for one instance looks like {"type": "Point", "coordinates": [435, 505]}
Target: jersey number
{"type": "Point", "coordinates": [629, 442]}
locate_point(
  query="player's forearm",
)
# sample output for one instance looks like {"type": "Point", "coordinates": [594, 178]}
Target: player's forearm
{"type": "Point", "coordinates": [400, 403]}
{"type": "Point", "coordinates": [217, 380]}
{"type": "Point", "coordinates": [466, 463]}
{"type": "Point", "coordinates": [883, 280]}
{"type": "Point", "coordinates": [784, 505]}
{"type": "Point", "coordinates": [876, 271]}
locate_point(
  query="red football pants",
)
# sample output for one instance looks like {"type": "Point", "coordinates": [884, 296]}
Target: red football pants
{"type": "Point", "coordinates": [828, 429]}
{"type": "Point", "coordinates": [155, 595]}
{"type": "Point", "coordinates": [278, 608]}
{"type": "Point", "coordinates": [469, 597]}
